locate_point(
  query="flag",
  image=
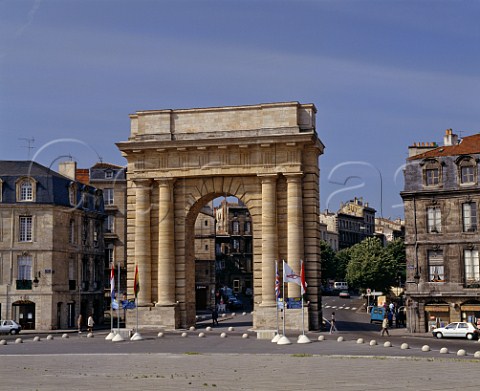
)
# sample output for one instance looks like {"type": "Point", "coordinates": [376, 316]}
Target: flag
{"type": "Point", "coordinates": [289, 275]}
{"type": "Point", "coordinates": [277, 282]}
{"type": "Point", "coordinates": [112, 282]}
{"type": "Point", "coordinates": [136, 282]}
{"type": "Point", "coordinates": [128, 304]}
{"type": "Point", "coordinates": [112, 288]}
{"type": "Point", "coordinates": [303, 283]}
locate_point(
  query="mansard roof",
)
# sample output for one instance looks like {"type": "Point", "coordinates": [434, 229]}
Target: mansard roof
{"type": "Point", "coordinates": [467, 146]}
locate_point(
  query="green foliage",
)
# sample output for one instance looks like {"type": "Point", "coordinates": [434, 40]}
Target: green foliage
{"type": "Point", "coordinates": [329, 264]}
{"type": "Point", "coordinates": [342, 260]}
{"type": "Point", "coordinates": [372, 265]}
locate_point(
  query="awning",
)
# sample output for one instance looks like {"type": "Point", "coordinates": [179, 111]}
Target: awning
{"type": "Point", "coordinates": [437, 308]}
{"type": "Point", "coordinates": [470, 307]}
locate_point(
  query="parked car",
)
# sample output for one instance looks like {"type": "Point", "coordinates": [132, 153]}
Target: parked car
{"type": "Point", "coordinates": [344, 294]}
{"type": "Point", "coordinates": [9, 327]}
{"type": "Point", "coordinates": [457, 330]}
{"type": "Point", "coordinates": [234, 303]}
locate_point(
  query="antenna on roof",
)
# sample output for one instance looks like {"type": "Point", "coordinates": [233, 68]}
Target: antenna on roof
{"type": "Point", "coordinates": [29, 146]}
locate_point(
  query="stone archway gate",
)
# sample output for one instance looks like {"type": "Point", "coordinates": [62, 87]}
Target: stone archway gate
{"type": "Point", "coordinates": [267, 156]}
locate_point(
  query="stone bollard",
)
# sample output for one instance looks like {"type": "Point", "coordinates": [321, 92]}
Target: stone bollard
{"type": "Point", "coordinates": [404, 346]}
{"type": "Point", "coordinates": [461, 352]}
{"type": "Point", "coordinates": [19, 340]}
{"type": "Point", "coordinates": [36, 338]}
{"type": "Point", "coordinates": [360, 340]}
{"type": "Point", "coordinates": [444, 351]}
{"type": "Point", "coordinates": [90, 335]}
{"type": "Point", "coordinates": [245, 336]}
{"type": "Point", "coordinates": [201, 335]}
{"type": "Point", "coordinates": [476, 354]}
{"type": "Point", "coordinates": [3, 342]}
{"type": "Point", "coordinates": [49, 337]}
{"type": "Point", "coordinates": [208, 328]}
{"type": "Point", "coordinates": [340, 339]}
{"type": "Point", "coordinates": [184, 335]}
{"type": "Point", "coordinates": [321, 338]}
{"type": "Point", "coordinates": [373, 342]}
{"type": "Point", "coordinates": [160, 335]}
{"type": "Point", "coordinates": [65, 335]}
{"type": "Point", "coordinates": [223, 335]}
{"type": "Point", "coordinates": [231, 328]}
{"type": "Point", "coordinates": [387, 344]}
{"type": "Point", "coordinates": [192, 328]}
{"type": "Point", "coordinates": [425, 348]}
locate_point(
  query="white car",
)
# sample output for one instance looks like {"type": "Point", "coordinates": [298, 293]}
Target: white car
{"type": "Point", "coordinates": [457, 330]}
{"type": "Point", "coordinates": [9, 327]}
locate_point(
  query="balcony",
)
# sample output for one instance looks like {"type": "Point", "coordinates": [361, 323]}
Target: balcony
{"type": "Point", "coordinates": [24, 285]}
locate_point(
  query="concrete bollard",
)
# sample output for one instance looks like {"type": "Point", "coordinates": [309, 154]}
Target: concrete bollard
{"type": "Point", "coordinates": [476, 354]}
{"type": "Point", "coordinates": [425, 348]}
{"type": "Point", "coordinates": [50, 337]}
{"type": "Point", "coordinates": [387, 344]}
{"type": "Point", "coordinates": [340, 339]}
{"type": "Point", "coordinates": [184, 335]}
{"type": "Point", "coordinates": [404, 346]}
{"type": "Point", "coordinates": [444, 351]}
{"type": "Point", "coordinates": [360, 340]}
{"type": "Point", "coordinates": [208, 328]}
{"type": "Point", "coordinates": [65, 336]}
{"type": "Point", "coordinates": [223, 335]}
{"type": "Point", "coordinates": [373, 342]}
{"type": "Point", "coordinates": [89, 335]}
{"type": "Point", "coordinates": [201, 335]}
{"type": "Point", "coordinates": [3, 342]}
{"type": "Point", "coordinates": [231, 328]}
{"type": "Point", "coordinates": [245, 336]}
{"type": "Point", "coordinates": [36, 338]}
{"type": "Point", "coordinates": [160, 335]}
{"type": "Point", "coordinates": [461, 352]}
{"type": "Point", "coordinates": [192, 328]}
{"type": "Point", "coordinates": [321, 338]}
{"type": "Point", "coordinates": [19, 340]}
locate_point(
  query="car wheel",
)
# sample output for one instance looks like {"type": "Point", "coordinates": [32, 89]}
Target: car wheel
{"type": "Point", "coordinates": [13, 332]}
{"type": "Point", "coordinates": [469, 336]}
{"type": "Point", "coordinates": [439, 335]}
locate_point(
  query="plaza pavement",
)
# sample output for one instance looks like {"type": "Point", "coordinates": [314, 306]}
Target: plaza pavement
{"type": "Point", "coordinates": [174, 362]}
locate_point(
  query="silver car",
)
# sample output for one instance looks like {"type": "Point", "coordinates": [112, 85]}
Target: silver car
{"type": "Point", "coordinates": [9, 327]}
{"type": "Point", "coordinates": [457, 330]}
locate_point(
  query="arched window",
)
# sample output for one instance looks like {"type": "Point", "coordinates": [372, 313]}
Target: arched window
{"type": "Point", "coordinates": [466, 170]}
{"type": "Point", "coordinates": [26, 190]}
{"type": "Point", "coordinates": [432, 172]}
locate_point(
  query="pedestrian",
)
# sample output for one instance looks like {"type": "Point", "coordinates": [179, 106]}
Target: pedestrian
{"type": "Point", "coordinates": [90, 323]}
{"type": "Point", "coordinates": [385, 326]}
{"type": "Point", "coordinates": [390, 318]}
{"type": "Point", "coordinates": [333, 326]}
{"type": "Point", "coordinates": [79, 323]}
{"type": "Point", "coordinates": [214, 316]}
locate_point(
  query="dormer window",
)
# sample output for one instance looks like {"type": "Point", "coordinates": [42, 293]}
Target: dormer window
{"type": "Point", "coordinates": [467, 170]}
{"type": "Point", "coordinates": [1, 190]}
{"type": "Point", "coordinates": [432, 173]}
{"type": "Point", "coordinates": [25, 189]}
{"type": "Point", "coordinates": [108, 174]}
{"type": "Point", "coordinates": [72, 192]}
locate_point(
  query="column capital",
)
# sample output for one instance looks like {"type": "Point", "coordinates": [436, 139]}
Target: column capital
{"type": "Point", "coordinates": [142, 182]}
{"type": "Point", "coordinates": [165, 181]}
{"type": "Point", "coordinates": [293, 176]}
{"type": "Point", "coordinates": [268, 178]}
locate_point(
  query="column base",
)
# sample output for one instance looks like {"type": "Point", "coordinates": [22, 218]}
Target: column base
{"type": "Point", "coordinates": [154, 317]}
{"type": "Point", "coordinates": [266, 318]}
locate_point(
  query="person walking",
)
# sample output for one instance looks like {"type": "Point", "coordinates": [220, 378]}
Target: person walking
{"type": "Point", "coordinates": [90, 323]}
{"type": "Point", "coordinates": [79, 323]}
{"type": "Point", "coordinates": [385, 326]}
{"type": "Point", "coordinates": [214, 316]}
{"type": "Point", "coordinates": [333, 326]}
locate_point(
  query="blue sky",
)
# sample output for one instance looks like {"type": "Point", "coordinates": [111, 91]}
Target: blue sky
{"type": "Point", "coordinates": [382, 74]}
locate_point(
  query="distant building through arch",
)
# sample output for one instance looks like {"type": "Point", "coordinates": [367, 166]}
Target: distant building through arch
{"type": "Point", "coordinates": [179, 160]}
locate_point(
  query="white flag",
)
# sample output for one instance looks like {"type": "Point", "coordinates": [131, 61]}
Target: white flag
{"type": "Point", "coordinates": [289, 275]}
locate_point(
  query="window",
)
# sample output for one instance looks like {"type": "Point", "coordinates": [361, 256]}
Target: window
{"type": "Point", "coordinates": [25, 229]}
{"type": "Point", "coordinates": [472, 267]}
{"type": "Point", "coordinates": [435, 266]}
{"type": "Point", "coordinates": [108, 196]}
{"type": "Point", "coordinates": [206, 223]}
{"type": "Point", "coordinates": [26, 191]}
{"type": "Point", "coordinates": [467, 174]}
{"type": "Point", "coordinates": [109, 174]}
{"type": "Point", "coordinates": [236, 227]}
{"type": "Point", "coordinates": [248, 227]}
{"type": "Point", "coordinates": [469, 215]}
{"type": "Point", "coordinates": [434, 217]}
{"type": "Point", "coordinates": [24, 270]}
{"type": "Point", "coordinates": [110, 224]}
{"type": "Point", "coordinates": [71, 195]}
{"type": "Point", "coordinates": [432, 176]}
{"type": "Point", "coordinates": [109, 252]}
{"type": "Point", "coordinates": [71, 233]}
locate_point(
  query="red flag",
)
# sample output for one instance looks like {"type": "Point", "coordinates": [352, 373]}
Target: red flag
{"type": "Point", "coordinates": [136, 282]}
{"type": "Point", "coordinates": [303, 285]}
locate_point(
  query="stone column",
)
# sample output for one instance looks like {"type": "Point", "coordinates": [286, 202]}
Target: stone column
{"type": "Point", "coordinates": [142, 240]}
{"type": "Point", "coordinates": [166, 243]}
{"type": "Point", "coordinates": [295, 251]}
{"type": "Point", "coordinates": [269, 238]}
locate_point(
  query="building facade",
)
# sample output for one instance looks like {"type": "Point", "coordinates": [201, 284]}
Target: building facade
{"type": "Point", "coordinates": [441, 199]}
{"type": "Point", "coordinates": [51, 247]}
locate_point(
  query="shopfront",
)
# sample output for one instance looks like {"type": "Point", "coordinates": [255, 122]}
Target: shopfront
{"type": "Point", "coordinates": [437, 315]}
{"type": "Point", "coordinates": [471, 312]}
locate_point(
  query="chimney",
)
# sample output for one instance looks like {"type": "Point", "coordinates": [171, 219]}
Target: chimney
{"type": "Point", "coordinates": [450, 138]}
{"type": "Point", "coordinates": [68, 169]}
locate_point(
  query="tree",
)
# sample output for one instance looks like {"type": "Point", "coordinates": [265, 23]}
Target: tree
{"type": "Point", "coordinates": [371, 266]}
{"type": "Point", "coordinates": [342, 261]}
{"type": "Point", "coordinates": [396, 249]}
{"type": "Point", "coordinates": [329, 264]}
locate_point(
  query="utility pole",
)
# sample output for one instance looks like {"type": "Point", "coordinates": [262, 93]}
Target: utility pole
{"type": "Point", "coordinates": [29, 146]}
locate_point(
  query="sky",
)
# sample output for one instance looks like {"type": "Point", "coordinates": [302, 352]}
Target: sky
{"type": "Point", "coordinates": [382, 75]}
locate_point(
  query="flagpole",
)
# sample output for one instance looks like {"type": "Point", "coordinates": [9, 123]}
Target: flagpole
{"type": "Point", "coordinates": [276, 296]}
{"type": "Point", "coordinates": [303, 289]}
{"type": "Point", "coordinates": [111, 304]}
{"type": "Point", "coordinates": [283, 340]}
{"type": "Point", "coordinates": [303, 313]}
{"type": "Point", "coordinates": [118, 293]}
